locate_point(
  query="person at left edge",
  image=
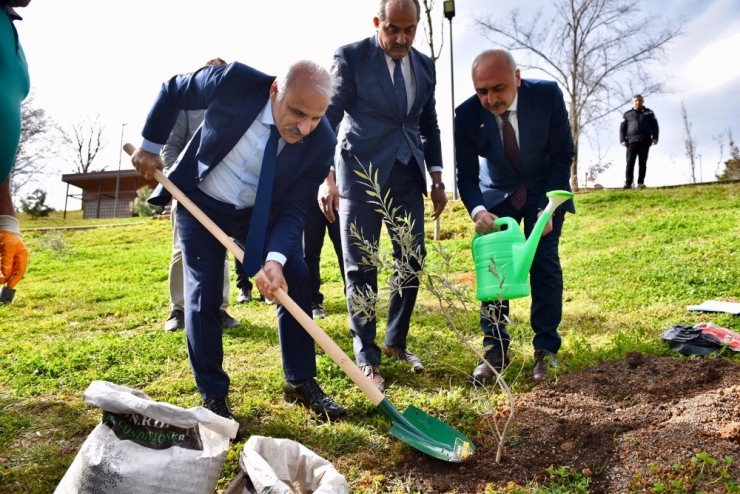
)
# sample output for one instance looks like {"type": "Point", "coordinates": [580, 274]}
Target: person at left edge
{"type": "Point", "coordinates": [220, 172]}
{"type": "Point", "coordinates": [14, 87]}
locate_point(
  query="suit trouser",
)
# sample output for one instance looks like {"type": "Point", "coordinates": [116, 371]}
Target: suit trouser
{"type": "Point", "coordinates": [177, 293]}
{"type": "Point", "coordinates": [242, 279]}
{"type": "Point", "coordinates": [313, 241]}
{"type": "Point", "coordinates": [637, 151]}
{"type": "Point", "coordinates": [546, 280]}
{"type": "Point", "coordinates": [202, 256]}
{"type": "Point", "coordinates": [407, 193]}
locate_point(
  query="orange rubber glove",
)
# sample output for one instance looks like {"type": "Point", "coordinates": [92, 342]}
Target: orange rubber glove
{"type": "Point", "coordinates": [13, 252]}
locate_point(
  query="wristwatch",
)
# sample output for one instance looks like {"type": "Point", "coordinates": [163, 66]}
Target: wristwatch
{"type": "Point", "coordinates": [440, 185]}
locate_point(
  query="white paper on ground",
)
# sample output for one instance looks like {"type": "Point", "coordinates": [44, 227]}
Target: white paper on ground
{"type": "Point", "coordinates": [716, 306]}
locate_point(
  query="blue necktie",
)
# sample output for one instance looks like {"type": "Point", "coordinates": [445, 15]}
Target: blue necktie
{"type": "Point", "coordinates": [399, 86]}
{"type": "Point", "coordinates": [261, 211]}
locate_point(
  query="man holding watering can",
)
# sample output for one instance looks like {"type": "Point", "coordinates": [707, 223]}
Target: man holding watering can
{"type": "Point", "coordinates": [520, 128]}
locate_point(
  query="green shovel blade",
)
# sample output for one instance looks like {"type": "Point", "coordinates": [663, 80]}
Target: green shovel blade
{"type": "Point", "coordinates": [427, 434]}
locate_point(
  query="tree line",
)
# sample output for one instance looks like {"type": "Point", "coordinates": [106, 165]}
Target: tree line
{"type": "Point", "coordinates": [598, 51]}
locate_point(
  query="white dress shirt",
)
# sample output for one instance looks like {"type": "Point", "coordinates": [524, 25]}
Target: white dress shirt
{"type": "Point", "coordinates": [410, 79]}
{"type": "Point", "coordinates": [234, 180]}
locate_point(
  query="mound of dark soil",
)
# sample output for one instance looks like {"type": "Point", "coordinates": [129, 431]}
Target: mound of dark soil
{"type": "Point", "coordinates": [624, 423]}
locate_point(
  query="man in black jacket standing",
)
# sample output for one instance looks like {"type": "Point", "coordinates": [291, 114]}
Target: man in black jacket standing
{"type": "Point", "coordinates": [637, 132]}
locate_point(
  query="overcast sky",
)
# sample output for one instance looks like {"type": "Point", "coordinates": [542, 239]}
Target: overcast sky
{"type": "Point", "coordinates": [107, 57]}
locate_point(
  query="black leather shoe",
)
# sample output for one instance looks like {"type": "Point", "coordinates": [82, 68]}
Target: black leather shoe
{"type": "Point", "coordinates": [542, 360]}
{"type": "Point", "coordinates": [405, 355]}
{"type": "Point", "coordinates": [244, 296]}
{"type": "Point", "coordinates": [175, 321]}
{"type": "Point", "coordinates": [318, 311]}
{"type": "Point", "coordinates": [228, 321]}
{"type": "Point", "coordinates": [483, 372]}
{"type": "Point", "coordinates": [219, 406]}
{"type": "Point", "coordinates": [309, 394]}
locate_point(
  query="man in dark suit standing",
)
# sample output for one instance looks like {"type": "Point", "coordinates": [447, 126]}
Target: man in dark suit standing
{"type": "Point", "coordinates": [254, 168]}
{"type": "Point", "coordinates": [385, 116]}
{"type": "Point", "coordinates": [520, 128]}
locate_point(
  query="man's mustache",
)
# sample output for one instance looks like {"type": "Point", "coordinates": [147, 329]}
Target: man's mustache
{"type": "Point", "coordinates": [293, 129]}
{"type": "Point", "coordinates": [398, 46]}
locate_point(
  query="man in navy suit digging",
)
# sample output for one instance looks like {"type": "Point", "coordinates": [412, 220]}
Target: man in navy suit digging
{"type": "Point", "coordinates": [254, 168]}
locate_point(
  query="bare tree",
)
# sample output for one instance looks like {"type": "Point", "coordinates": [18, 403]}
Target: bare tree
{"type": "Point", "coordinates": [732, 166]}
{"type": "Point", "coordinates": [596, 50]}
{"type": "Point", "coordinates": [429, 30]}
{"type": "Point", "coordinates": [37, 131]}
{"type": "Point", "coordinates": [689, 143]}
{"type": "Point", "coordinates": [593, 172]}
{"type": "Point", "coordinates": [84, 141]}
{"type": "Point", "coordinates": [720, 140]}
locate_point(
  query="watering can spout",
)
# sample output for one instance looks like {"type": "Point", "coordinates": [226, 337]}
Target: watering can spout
{"type": "Point", "coordinates": [523, 253]}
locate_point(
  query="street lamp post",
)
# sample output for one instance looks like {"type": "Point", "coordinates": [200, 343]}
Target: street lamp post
{"type": "Point", "coordinates": [118, 176]}
{"type": "Point", "coordinates": [449, 9]}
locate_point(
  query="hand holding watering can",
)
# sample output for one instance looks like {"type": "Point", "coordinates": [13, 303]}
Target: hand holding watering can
{"type": "Point", "coordinates": [503, 258]}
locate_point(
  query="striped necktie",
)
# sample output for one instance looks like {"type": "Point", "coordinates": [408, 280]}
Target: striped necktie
{"type": "Point", "coordinates": [511, 149]}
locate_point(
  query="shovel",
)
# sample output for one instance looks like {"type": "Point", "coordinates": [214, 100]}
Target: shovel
{"type": "Point", "coordinates": [414, 427]}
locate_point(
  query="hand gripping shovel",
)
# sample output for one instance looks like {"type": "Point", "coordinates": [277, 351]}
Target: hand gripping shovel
{"type": "Point", "coordinates": [414, 427]}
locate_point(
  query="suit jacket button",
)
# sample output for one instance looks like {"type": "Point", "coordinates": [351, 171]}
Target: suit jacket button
{"type": "Point", "coordinates": [506, 195]}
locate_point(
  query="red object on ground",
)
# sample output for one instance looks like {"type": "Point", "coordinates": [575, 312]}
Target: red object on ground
{"type": "Point", "coordinates": [723, 335]}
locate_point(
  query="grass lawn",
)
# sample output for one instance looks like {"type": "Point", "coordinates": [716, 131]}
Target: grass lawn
{"type": "Point", "coordinates": [93, 304]}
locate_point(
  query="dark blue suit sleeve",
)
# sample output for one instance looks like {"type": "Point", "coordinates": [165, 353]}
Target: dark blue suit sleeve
{"type": "Point", "coordinates": [345, 93]}
{"type": "Point", "coordinates": [429, 131]}
{"type": "Point", "coordinates": [183, 92]}
{"type": "Point", "coordinates": [467, 160]}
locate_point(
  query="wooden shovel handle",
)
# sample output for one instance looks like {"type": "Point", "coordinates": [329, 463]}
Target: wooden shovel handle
{"type": "Point", "coordinates": [313, 329]}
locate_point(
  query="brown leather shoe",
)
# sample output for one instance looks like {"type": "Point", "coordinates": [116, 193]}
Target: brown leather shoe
{"type": "Point", "coordinates": [483, 372]}
{"type": "Point", "coordinates": [405, 355]}
{"type": "Point", "coordinates": [542, 360]}
{"type": "Point", "coordinates": [373, 373]}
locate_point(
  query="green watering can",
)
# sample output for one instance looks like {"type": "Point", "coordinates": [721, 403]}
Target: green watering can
{"type": "Point", "coordinates": [509, 255]}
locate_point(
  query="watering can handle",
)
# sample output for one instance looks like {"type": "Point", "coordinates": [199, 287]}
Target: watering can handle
{"type": "Point", "coordinates": [499, 222]}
